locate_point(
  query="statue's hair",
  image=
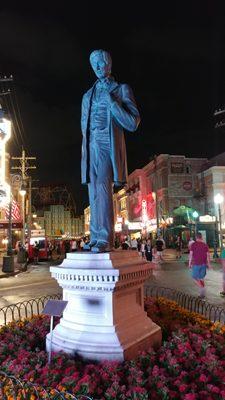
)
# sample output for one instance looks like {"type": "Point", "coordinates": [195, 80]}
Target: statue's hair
{"type": "Point", "coordinates": [102, 53]}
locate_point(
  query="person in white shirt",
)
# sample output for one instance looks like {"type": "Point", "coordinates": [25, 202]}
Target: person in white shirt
{"type": "Point", "coordinates": [74, 245]}
{"type": "Point", "coordinates": [134, 244]}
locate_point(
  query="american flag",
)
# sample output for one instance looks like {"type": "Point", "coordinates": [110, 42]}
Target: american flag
{"type": "Point", "coordinates": [15, 211]}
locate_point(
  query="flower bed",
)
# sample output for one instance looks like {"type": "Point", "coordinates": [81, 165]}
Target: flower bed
{"type": "Point", "coordinates": [190, 364]}
{"type": "Point", "coordinates": [170, 316]}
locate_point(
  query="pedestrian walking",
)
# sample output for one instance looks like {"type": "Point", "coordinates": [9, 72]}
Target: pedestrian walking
{"type": "Point", "coordinates": [74, 245]}
{"type": "Point", "coordinates": [148, 250]}
{"type": "Point", "coordinates": [134, 244]}
{"type": "Point", "coordinates": [58, 250]}
{"type": "Point", "coordinates": [199, 260]}
{"type": "Point", "coordinates": [143, 243]}
{"type": "Point", "coordinates": [82, 243]}
{"type": "Point", "coordinates": [139, 246]}
{"type": "Point", "coordinates": [67, 246]}
{"type": "Point", "coordinates": [36, 252]}
{"type": "Point", "coordinates": [178, 245]}
{"type": "Point", "coordinates": [160, 245]}
{"type": "Point", "coordinates": [222, 258]}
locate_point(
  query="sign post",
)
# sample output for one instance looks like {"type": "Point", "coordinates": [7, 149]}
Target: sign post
{"type": "Point", "coordinates": [54, 308]}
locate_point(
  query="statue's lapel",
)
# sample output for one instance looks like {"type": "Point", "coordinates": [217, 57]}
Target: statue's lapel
{"type": "Point", "coordinates": [90, 95]}
{"type": "Point", "coordinates": [113, 86]}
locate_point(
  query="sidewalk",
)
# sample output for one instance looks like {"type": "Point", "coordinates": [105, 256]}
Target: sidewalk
{"type": "Point", "coordinates": [175, 274]}
{"type": "Point", "coordinates": [170, 255]}
{"type": "Point", "coordinates": [18, 268]}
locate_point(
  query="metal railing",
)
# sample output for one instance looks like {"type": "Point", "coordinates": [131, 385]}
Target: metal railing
{"type": "Point", "coordinates": [12, 387]}
{"type": "Point", "coordinates": [25, 309]}
{"type": "Point", "coordinates": [213, 312]}
{"type": "Point", "coordinates": [28, 308]}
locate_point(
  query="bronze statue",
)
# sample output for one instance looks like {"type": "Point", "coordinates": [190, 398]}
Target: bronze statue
{"type": "Point", "coordinates": [107, 109]}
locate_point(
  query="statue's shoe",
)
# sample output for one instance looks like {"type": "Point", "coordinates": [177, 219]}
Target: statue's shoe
{"type": "Point", "coordinates": [101, 247]}
{"type": "Point", "coordinates": [92, 243]}
{"type": "Point", "coordinates": [89, 245]}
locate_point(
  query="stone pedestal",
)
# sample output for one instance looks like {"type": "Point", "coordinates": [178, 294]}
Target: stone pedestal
{"type": "Point", "coordinates": [104, 318]}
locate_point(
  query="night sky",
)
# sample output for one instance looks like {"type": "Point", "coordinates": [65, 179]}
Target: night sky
{"type": "Point", "coordinates": [172, 55]}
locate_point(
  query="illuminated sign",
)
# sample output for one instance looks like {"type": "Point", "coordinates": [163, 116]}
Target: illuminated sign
{"type": "Point", "coordinates": [207, 218]}
{"type": "Point", "coordinates": [37, 232]}
{"type": "Point", "coordinates": [144, 213]}
{"type": "Point", "coordinates": [134, 225]}
{"type": "Point", "coordinates": [177, 168]}
{"type": "Point", "coordinates": [5, 133]}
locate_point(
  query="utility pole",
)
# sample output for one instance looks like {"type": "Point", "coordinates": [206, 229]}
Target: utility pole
{"type": "Point", "coordinates": [29, 215]}
{"type": "Point", "coordinates": [23, 168]}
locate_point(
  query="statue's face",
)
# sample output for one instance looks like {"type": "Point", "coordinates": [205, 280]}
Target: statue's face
{"type": "Point", "coordinates": [101, 66]}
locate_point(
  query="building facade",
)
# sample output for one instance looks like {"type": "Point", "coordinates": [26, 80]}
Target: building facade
{"type": "Point", "coordinates": [153, 192]}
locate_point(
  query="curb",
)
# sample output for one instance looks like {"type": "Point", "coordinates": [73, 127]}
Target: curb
{"type": "Point", "coordinates": [8, 274]}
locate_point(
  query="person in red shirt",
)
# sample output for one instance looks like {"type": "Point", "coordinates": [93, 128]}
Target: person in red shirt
{"type": "Point", "coordinates": [199, 260]}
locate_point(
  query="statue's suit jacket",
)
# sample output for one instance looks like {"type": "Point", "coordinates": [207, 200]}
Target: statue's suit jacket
{"type": "Point", "coordinates": [123, 114]}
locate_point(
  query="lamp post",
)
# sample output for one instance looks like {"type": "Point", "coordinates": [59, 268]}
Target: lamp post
{"type": "Point", "coordinates": [5, 190]}
{"type": "Point", "coordinates": [195, 215]}
{"type": "Point", "coordinates": [218, 199]}
{"type": "Point", "coordinates": [23, 194]}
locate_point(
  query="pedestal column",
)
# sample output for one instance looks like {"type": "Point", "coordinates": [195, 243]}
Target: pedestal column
{"type": "Point", "coordinates": [104, 318]}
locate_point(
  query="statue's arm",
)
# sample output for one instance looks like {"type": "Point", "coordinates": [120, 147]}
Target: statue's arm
{"type": "Point", "coordinates": [126, 114]}
{"type": "Point", "coordinates": [83, 113]}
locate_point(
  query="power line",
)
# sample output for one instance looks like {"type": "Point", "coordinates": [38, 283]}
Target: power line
{"type": "Point", "coordinates": [18, 109]}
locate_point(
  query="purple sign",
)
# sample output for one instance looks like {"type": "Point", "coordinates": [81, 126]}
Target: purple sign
{"type": "Point", "coordinates": [55, 308]}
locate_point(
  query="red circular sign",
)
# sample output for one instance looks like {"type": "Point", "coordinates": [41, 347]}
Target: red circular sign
{"type": "Point", "coordinates": [187, 185]}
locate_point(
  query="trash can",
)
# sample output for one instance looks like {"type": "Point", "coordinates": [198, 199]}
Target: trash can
{"type": "Point", "coordinates": [21, 256]}
{"type": "Point", "coordinates": [8, 264]}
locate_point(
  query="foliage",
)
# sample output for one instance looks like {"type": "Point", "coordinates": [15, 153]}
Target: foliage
{"type": "Point", "coordinates": [189, 365]}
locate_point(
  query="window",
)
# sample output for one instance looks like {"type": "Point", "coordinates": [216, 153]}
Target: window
{"type": "Point", "coordinates": [188, 169]}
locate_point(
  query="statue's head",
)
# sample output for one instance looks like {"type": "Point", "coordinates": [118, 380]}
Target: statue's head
{"type": "Point", "coordinates": [101, 63]}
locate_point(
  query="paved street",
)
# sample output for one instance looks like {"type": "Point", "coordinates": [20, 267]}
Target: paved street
{"type": "Point", "coordinates": [176, 274]}
{"type": "Point", "coordinates": [37, 281]}
{"type": "Point", "coordinates": [33, 283]}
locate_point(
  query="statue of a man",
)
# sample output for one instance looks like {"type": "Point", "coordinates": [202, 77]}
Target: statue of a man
{"type": "Point", "coordinates": [107, 109]}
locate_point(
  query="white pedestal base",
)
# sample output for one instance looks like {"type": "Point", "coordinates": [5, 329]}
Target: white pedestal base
{"type": "Point", "coordinates": [104, 318]}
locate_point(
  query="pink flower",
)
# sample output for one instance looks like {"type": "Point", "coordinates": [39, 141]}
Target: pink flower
{"type": "Point", "coordinates": [190, 396]}
{"type": "Point", "coordinates": [213, 389]}
{"type": "Point", "coordinates": [203, 378]}
{"type": "Point", "coordinates": [155, 371]}
{"type": "Point", "coordinates": [183, 387]}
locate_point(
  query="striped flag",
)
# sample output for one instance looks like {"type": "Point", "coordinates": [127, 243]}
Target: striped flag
{"type": "Point", "coordinates": [15, 211]}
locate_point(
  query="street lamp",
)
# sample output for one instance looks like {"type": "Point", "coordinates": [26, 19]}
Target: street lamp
{"type": "Point", "coordinates": [5, 190]}
{"type": "Point", "coordinates": [195, 215]}
{"type": "Point", "coordinates": [218, 199]}
{"type": "Point", "coordinates": [23, 192]}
